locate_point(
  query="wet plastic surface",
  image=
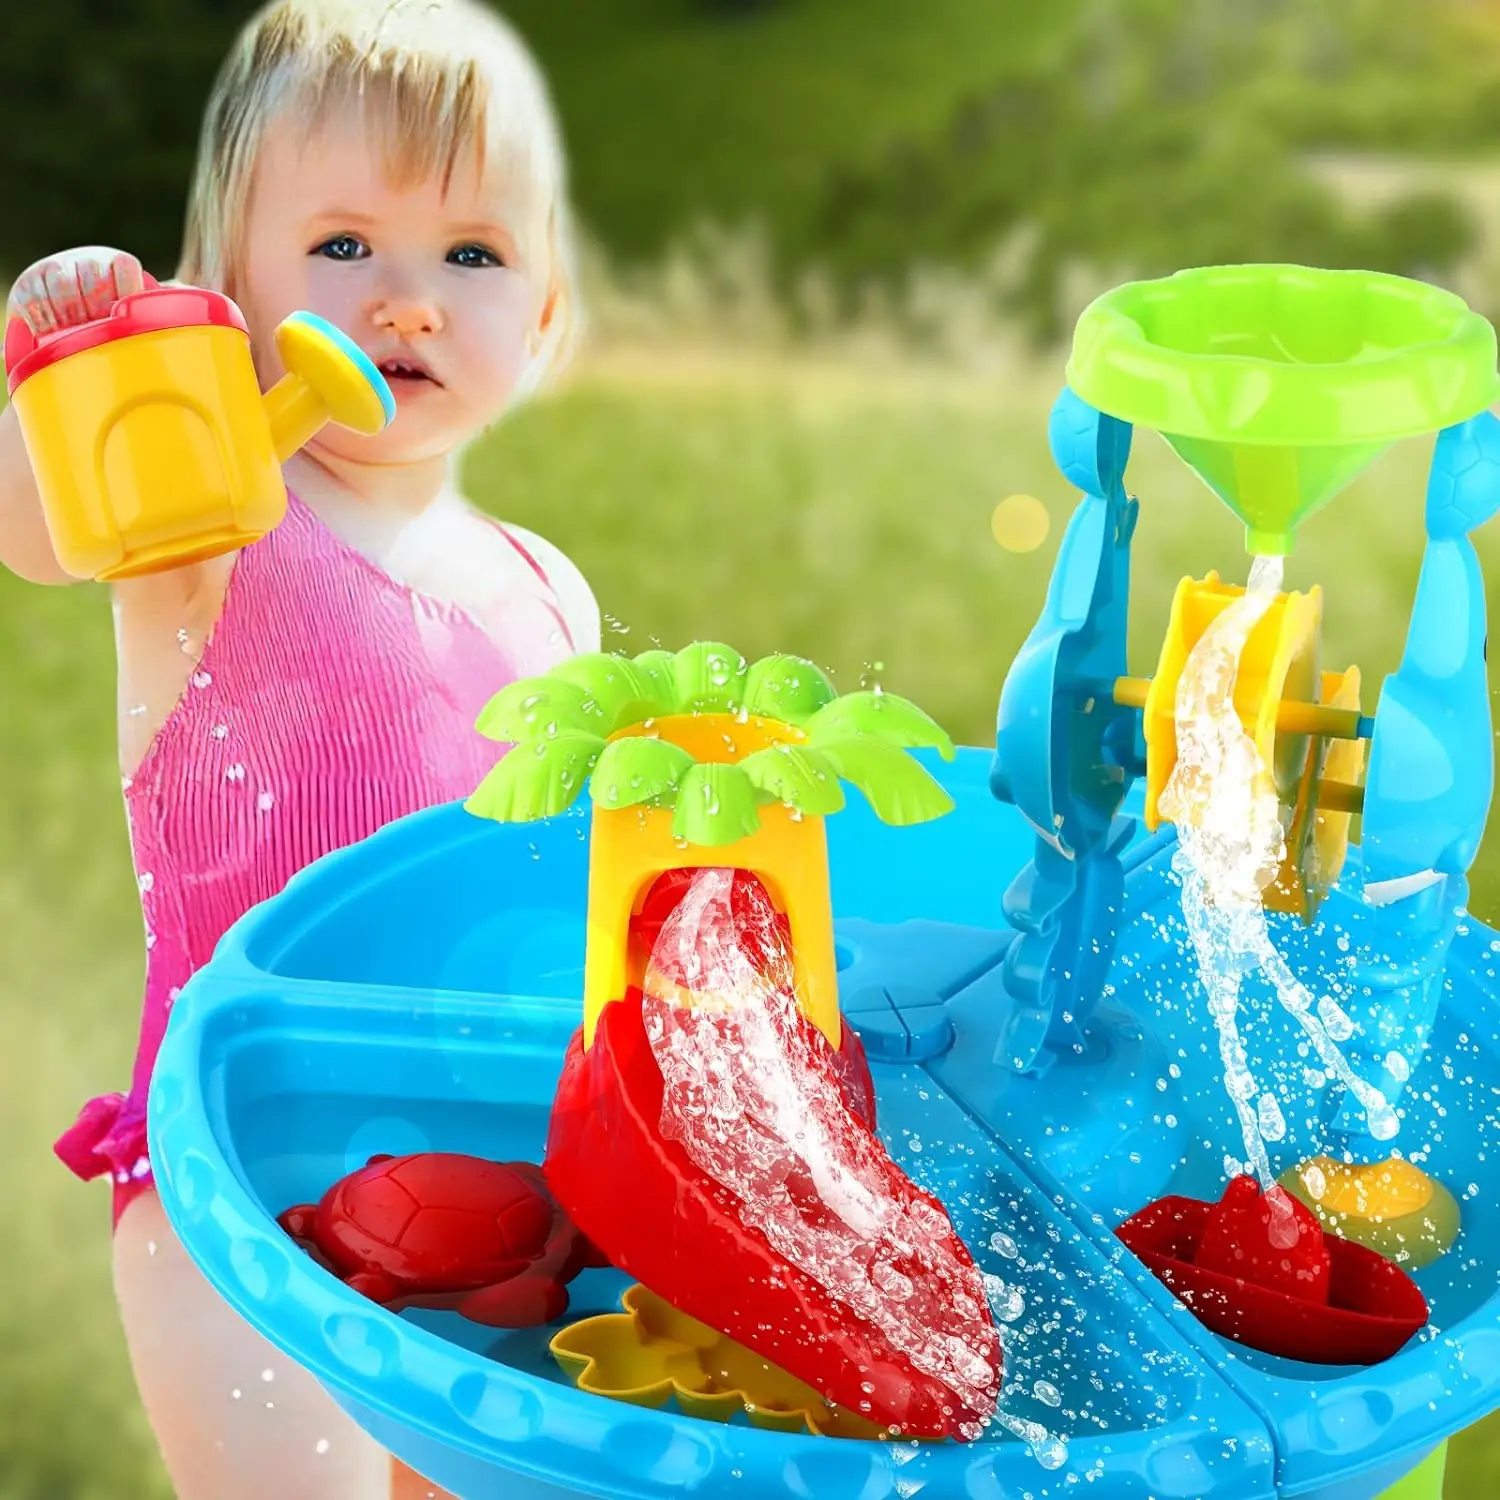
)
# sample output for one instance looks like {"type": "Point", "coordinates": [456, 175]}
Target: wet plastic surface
{"type": "Point", "coordinates": [418, 992]}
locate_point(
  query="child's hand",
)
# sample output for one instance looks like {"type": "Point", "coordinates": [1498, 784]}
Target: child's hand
{"type": "Point", "coordinates": [72, 287]}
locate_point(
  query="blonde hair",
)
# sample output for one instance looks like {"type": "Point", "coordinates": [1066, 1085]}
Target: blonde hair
{"type": "Point", "coordinates": [437, 78]}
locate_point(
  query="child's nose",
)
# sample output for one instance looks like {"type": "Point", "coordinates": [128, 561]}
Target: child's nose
{"type": "Point", "coordinates": [405, 316]}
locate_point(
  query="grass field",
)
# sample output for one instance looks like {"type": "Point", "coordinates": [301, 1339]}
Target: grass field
{"type": "Point", "coordinates": [824, 508]}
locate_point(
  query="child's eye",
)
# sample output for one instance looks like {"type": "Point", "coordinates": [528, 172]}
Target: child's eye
{"type": "Point", "coordinates": [473, 255]}
{"type": "Point", "coordinates": [343, 247]}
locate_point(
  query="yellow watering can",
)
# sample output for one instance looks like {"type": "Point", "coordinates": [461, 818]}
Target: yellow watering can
{"type": "Point", "coordinates": [149, 437]}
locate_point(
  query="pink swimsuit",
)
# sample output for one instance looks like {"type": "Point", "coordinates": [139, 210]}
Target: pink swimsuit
{"type": "Point", "coordinates": [330, 699]}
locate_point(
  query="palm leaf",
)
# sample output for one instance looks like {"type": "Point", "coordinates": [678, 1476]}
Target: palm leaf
{"type": "Point", "coordinates": [536, 780]}
{"type": "Point", "coordinates": [789, 688]}
{"type": "Point", "coordinates": [896, 787]}
{"type": "Point", "coordinates": [638, 769]}
{"type": "Point", "coordinates": [539, 707]}
{"type": "Point", "coordinates": [709, 678]}
{"type": "Point", "coordinates": [623, 692]}
{"type": "Point", "coordinates": [798, 778]}
{"type": "Point", "coordinates": [658, 667]}
{"type": "Point", "coordinates": [879, 715]}
{"type": "Point", "coordinates": [715, 805]}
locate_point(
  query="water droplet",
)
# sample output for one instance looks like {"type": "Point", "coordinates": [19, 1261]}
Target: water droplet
{"type": "Point", "coordinates": [236, 772]}
{"type": "Point", "coordinates": [1335, 1020]}
{"type": "Point", "coordinates": [268, 1376]}
{"type": "Point", "coordinates": [1380, 1117]}
{"type": "Point", "coordinates": [321, 1446]}
{"type": "Point", "coordinates": [265, 801]}
{"type": "Point", "coordinates": [1046, 1393]}
{"type": "Point", "coordinates": [1003, 1244]}
{"type": "Point", "coordinates": [1052, 1454]}
{"type": "Point", "coordinates": [145, 882]}
{"type": "Point", "coordinates": [201, 679]}
{"type": "Point", "coordinates": [1272, 1121]}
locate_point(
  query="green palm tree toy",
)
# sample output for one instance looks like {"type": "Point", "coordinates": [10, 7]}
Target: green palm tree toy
{"type": "Point", "coordinates": [703, 751]}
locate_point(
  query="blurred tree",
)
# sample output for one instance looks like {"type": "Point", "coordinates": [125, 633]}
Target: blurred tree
{"type": "Point", "coordinates": [734, 7]}
{"type": "Point", "coordinates": [1158, 133]}
{"type": "Point", "coordinates": [869, 135]}
{"type": "Point", "coordinates": [100, 103]}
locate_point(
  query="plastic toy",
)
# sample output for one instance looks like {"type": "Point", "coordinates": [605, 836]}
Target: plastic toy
{"type": "Point", "coordinates": [1277, 384]}
{"type": "Point", "coordinates": [1396, 1208]}
{"type": "Point", "coordinates": [696, 751]}
{"type": "Point", "coordinates": [150, 440]}
{"type": "Point", "coordinates": [703, 750]}
{"type": "Point", "coordinates": [651, 1354]}
{"type": "Point", "coordinates": [850, 1065]}
{"type": "Point", "coordinates": [1274, 1280]}
{"type": "Point", "coordinates": [438, 1229]}
{"type": "Point", "coordinates": [422, 991]}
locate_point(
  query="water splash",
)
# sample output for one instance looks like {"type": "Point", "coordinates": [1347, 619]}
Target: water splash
{"type": "Point", "coordinates": [750, 1094]}
{"type": "Point", "coordinates": [1223, 801]}
{"type": "Point", "coordinates": [1050, 1452]}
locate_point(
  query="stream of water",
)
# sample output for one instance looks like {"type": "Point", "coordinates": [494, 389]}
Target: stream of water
{"type": "Point", "coordinates": [1223, 802]}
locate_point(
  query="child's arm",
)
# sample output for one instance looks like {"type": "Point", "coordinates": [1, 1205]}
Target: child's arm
{"type": "Point", "coordinates": [574, 596]}
{"type": "Point", "coordinates": [25, 546]}
{"type": "Point", "coordinates": [59, 292]}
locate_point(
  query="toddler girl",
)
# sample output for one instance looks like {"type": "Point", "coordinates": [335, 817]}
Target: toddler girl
{"type": "Point", "coordinates": [392, 165]}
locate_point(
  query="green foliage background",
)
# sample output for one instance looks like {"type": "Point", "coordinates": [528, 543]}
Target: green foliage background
{"type": "Point", "coordinates": [866, 137]}
{"type": "Point", "coordinates": [774, 503]}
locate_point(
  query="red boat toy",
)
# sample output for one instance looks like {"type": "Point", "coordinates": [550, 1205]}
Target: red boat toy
{"type": "Point", "coordinates": [1257, 1268]}
{"type": "Point", "coordinates": [437, 1229]}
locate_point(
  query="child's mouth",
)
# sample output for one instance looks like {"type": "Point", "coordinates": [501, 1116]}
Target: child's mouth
{"type": "Point", "coordinates": [407, 374]}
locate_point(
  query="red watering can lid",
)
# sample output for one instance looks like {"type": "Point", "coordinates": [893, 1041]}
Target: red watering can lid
{"type": "Point", "coordinates": [153, 310]}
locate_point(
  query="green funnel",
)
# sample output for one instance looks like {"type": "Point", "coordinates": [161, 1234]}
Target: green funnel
{"type": "Point", "coordinates": [1278, 384]}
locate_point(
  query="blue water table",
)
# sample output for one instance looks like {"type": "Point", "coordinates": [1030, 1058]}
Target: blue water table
{"type": "Point", "coordinates": [995, 941]}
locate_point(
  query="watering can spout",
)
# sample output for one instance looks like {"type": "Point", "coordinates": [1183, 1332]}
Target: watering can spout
{"type": "Point", "coordinates": [329, 379]}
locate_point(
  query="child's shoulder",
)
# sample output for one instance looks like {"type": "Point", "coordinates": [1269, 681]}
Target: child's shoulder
{"type": "Point", "coordinates": [560, 574]}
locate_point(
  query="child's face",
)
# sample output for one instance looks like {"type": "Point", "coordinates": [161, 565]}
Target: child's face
{"type": "Point", "coordinates": [427, 283]}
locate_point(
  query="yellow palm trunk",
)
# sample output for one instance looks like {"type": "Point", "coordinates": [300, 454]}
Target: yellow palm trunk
{"type": "Point", "coordinates": [633, 846]}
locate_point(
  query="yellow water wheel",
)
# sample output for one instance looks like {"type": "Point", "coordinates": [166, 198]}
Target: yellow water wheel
{"type": "Point", "coordinates": [1317, 838]}
{"type": "Point", "coordinates": [1304, 723]}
